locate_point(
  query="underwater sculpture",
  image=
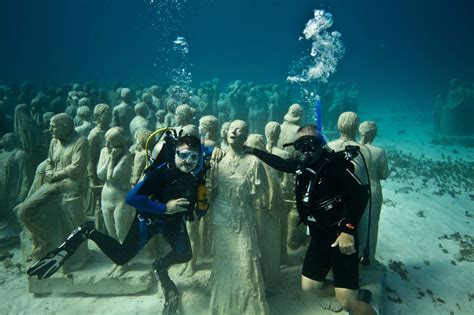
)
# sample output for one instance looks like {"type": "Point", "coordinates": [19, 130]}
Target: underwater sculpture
{"type": "Point", "coordinates": [289, 127]}
{"type": "Point", "coordinates": [378, 170]}
{"type": "Point", "coordinates": [209, 128]}
{"type": "Point", "coordinates": [170, 119]}
{"type": "Point", "coordinates": [123, 113]}
{"type": "Point", "coordinates": [268, 221]}
{"type": "Point", "coordinates": [27, 131]}
{"type": "Point", "coordinates": [114, 168]}
{"type": "Point", "coordinates": [147, 98]}
{"type": "Point", "coordinates": [222, 108]}
{"type": "Point", "coordinates": [139, 160]}
{"type": "Point", "coordinates": [281, 206]}
{"type": "Point", "coordinates": [256, 112]}
{"type": "Point", "coordinates": [224, 145]}
{"type": "Point", "coordinates": [184, 116]}
{"type": "Point", "coordinates": [239, 180]}
{"type": "Point", "coordinates": [82, 121]}
{"type": "Point", "coordinates": [140, 121]}
{"type": "Point", "coordinates": [160, 119]}
{"type": "Point", "coordinates": [347, 124]}
{"type": "Point", "coordinates": [15, 180]}
{"type": "Point", "coordinates": [96, 139]}
{"type": "Point", "coordinates": [56, 208]}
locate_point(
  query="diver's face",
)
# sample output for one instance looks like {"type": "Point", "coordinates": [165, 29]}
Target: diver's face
{"type": "Point", "coordinates": [237, 134]}
{"type": "Point", "coordinates": [186, 159]}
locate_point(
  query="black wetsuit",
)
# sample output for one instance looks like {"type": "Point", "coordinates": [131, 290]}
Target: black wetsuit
{"type": "Point", "coordinates": [149, 197]}
{"type": "Point", "coordinates": [335, 204]}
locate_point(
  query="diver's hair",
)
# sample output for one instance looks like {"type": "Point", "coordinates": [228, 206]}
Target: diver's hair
{"type": "Point", "coordinates": [191, 141]}
{"type": "Point", "coordinates": [308, 128]}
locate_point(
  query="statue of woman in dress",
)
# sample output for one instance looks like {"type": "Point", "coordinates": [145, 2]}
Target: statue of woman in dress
{"type": "Point", "coordinates": [239, 180]}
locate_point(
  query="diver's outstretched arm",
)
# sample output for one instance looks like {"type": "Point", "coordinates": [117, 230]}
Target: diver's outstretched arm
{"type": "Point", "coordinates": [278, 163]}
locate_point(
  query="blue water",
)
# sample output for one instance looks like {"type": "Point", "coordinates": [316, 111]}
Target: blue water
{"type": "Point", "coordinates": [409, 48]}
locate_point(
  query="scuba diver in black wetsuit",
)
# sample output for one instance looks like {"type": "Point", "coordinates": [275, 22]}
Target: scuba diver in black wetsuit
{"type": "Point", "coordinates": [330, 200]}
{"type": "Point", "coordinates": [164, 199]}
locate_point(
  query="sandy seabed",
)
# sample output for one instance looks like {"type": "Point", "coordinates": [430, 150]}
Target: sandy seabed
{"type": "Point", "coordinates": [425, 239]}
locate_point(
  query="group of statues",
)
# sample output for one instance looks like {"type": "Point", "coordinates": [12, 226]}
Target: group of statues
{"type": "Point", "coordinates": [88, 157]}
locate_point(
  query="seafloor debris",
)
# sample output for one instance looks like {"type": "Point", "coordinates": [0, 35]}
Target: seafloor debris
{"type": "Point", "coordinates": [5, 254]}
{"type": "Point", "coordinates": [389, 202]}
{"type": "Point", "coordinates": [392, 295]}
{"type": "Point", "coordinates": [399, 268]}
{"type": "Point", "coordinates": [420, 214]}
{"type": "Point", "coordinates": [466, 244]}
{"type": "Point", "coordinates": [445, 177]}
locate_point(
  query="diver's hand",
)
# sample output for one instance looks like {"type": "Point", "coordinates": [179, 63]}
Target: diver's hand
{"type": "Point", "coordinates": [217, 155]}
{"type": "Point", "coordinates": [346, 243]}
{"type": "Point", "coordinates": [248, 150]}
{"type": "Point", "coordinates": [176, 205]}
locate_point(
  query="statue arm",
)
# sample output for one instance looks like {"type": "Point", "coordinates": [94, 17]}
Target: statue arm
{"type": "Point", "coordinates": [121, 172]}
{"type": "Point", "coordinates": [103, 163]}
{"type": "Point", "coordinates": [79, 160]}
{"type": "Point", "coordinates": [24, 166]}
{"type": "Point", "coordinates": [94, 157]}
{"type": "Point", "coordinates": [383, 166]}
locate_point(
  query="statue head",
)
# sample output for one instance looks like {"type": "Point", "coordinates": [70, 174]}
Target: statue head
{"type": "Point", "coordinates": [141, 137]}
{"type": "Point", "coordinates": [160, 115]}
{"type": "Point", "coordinates": [272, 131]}
{"type": "Point", "coordinates": [61, 126]}
{"type": "Point", "coordinates": [367, 131]}
{"type": "Point", "coordinates": [155, 90]}
{"type": "Point", "coordinates": [224, 130]}
{"type": "Point", "coordinates": [115, 139]}
{"type": "Point", "coordinates": [141, 109]}
{"type": "Point", "coordinates": [9, 141]}
{"type": "Point", "coordinates": [171, 105]}
{"type": "Point", "coordinates": [47, 119]}
{"type": "Point", "coordinates": [184, 114]}
{"type": "Point", "coordinates": [209, 125]}
{"type": "Point", "coordinates": [84, 102]}
{"type": "Point", "coordinates": [190, 129]}
{"type": "Point", "coordinates": [84, 112]}
{"type": "Point", "coordinates": [295, 113]}
{"type": "Point", "coordinates": [103, 114]}
{"type": "Point", "coordinates": [126, 95]}
{"type": "Point", "coordinates": [347, 125]}
{"type": "Point", "coordinates": [237, 133]}
{"type": "Point", "coordinates": [256, 141]}
{"type": "Point", "coordinates": [147, 98]}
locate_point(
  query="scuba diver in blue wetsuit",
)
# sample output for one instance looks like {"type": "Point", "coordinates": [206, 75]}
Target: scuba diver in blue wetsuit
{"type": "Point", "coordinates": [164, 199]}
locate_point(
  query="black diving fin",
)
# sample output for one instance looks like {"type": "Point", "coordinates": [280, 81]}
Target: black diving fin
{"type": "Point", "coordinates": [49, 264]}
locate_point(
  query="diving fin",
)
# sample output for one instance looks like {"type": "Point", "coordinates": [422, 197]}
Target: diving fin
{"type": "Point", "coordinates": [49, 264]}
{"type": "Point", "coordinates": [171, 301]}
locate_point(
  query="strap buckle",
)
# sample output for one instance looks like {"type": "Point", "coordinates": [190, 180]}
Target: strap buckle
{"type": "Point", "coordinates": [147, 220]}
